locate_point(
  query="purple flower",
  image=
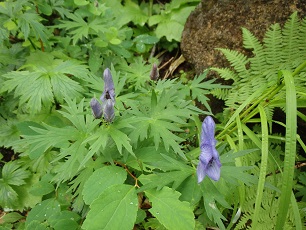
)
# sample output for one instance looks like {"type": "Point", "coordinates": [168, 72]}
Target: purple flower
{"type": "Point", "coordinates": [209, 163]}
{"type": "Point", "coordinates": [109, 89]}
{"type": "Point", "coordinates": [107, 98]}
{"type": "Point", "coordinates": [96, 108]}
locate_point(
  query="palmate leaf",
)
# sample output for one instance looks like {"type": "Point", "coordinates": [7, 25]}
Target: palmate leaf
{"type": "Point", "coordinates": [8, 196]}
{"type": "Point", "coordinates": [105, 133]}
{"type": "Point", "coordinates": [115, 208]}
{"type": "Point", "coordinates": [14, 175]}
{"type": "Point", "coordinates": [175, 172]}
{"type": "Point", "coordinates": [166, 116]}
{"type": "Point", "coordinates": [48, 79]}
{"type": "Point", "coordinates": [34, 89]}
{"type": "Point", "coordinates": [200, 87]}
{"type": "Point", "coordinates": [137, 72]}
{"type": "Point", "coordinates": [27, 21]}
{"type": "Point", "coordinates": [169, 210]}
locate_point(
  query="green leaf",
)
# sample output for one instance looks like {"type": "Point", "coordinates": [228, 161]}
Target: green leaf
{"type": "Point", "coordinates": [100, 180]}
{"type": "Point", "coordinates": [115, 208]}
{"type": "Point", "coordinates": [41, 188]}
{"type": "Point", "coordinates": [121, 139]}
{"type": "Point", "coordinates": [210, 195]}
{"type": "Point", "coordinates": [263, 165]}
{"type": "Point", "coordinates": [290, 148]}
{"type": "Point", "coordinates": [64, 220]}
{"type": "Point", "coordinates": [8, 196]}
{"type": "Point", "coordinates": [190, 190]}
{"type": "Point", "coordinates": [42, 211]}
{"type": "Point", "coordinates": [33, 88]}
{"type": "Point", "coordinates": [14, 175]}
{"type": "Point", "coordinates": [133, 12]}
{"type": "Point", "coordinates": [172, 30]}
{"type": "Point", "coordinates": [11, 217]}
{"type": "Point", "coordinates": [81, 2]}
{"type": "Point", "coordinates": [169, 210]}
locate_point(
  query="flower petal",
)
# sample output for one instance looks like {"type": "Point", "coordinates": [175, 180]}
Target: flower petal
{"type": "Point", "coordinates": [201, 172]}
{"type": "Point", "coordinates": [213, 170]}
{"type": "Point", "coordinates": [208, 132]}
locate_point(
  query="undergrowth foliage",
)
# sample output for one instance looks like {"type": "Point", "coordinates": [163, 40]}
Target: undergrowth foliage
{"type": "Point", "coordinates": [129, 160]}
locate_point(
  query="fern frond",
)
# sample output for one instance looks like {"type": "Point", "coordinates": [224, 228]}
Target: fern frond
{"type": "Point", "coordinates": [273, 45]}
{"type": "Point", "coordinates": [251, 42]}
{"type": "Point", "coordinates": [291, 39]}
{"type": "Point", "coordinates": [220, 93]}
{"type": "Point", "coordinates": [281, 49]}
{"type": "Point", "coordinates": [238, 61]}
{"type": "Point", "coordinates": [227, 74]}
{"type": "Point", "coordinates": [303, 36]}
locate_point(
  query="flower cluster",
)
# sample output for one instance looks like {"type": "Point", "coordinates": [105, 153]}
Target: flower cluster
{"type": "Point", "coordinates": [209, 163]}
{"type": "Point", "coordinates": [107, 98]}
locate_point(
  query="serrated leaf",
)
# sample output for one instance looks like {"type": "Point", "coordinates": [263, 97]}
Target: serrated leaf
{"type": "Point", "coordinates": [10, 217]}
{"type": "Point", "coordinates": [121, 139]}
{"type": "Point", "coordinates": [169, 210]}
{"type": "Point", "coordinates": [8, 196]}
{"type": "Point", "coordinates": [210, 195]}
{"type": "Point", "coordinates": [14, 175]}
{"type": "Point", "coordinates": [42, 211]}
{"type": "Point", "coordinates": [64, 220]}
{"type": "Point", "coordinates": [100, 180]}
{"type": "Point", "coordinates": [115, 208]}
{"type": "Point", "coordinates": [32, 87]}
{"type": "Point", "coordinates": [133, 13]}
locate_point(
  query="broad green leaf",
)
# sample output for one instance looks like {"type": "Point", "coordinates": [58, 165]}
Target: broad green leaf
{"type": "Point", "coordinates": [64, 220]}
{"type": "Point", "coordinates": [169, 210]}
{"type": "Point", "coordinates": [134, 13]}
{"type": "Point", "coordinates": [115, 208]}
{"type": "Point", "coordinates": [190, 190]}
{"type": "Point", "coordinates": [42, 211]}
{"type": "Point", "coordinates": [41, 188]}
{"type": "Point", "coordinates": [159, 180]}
{"type": "Point", "coordinates": [100, 180]}
{"type": "Point", "coordinates": [11, 217]}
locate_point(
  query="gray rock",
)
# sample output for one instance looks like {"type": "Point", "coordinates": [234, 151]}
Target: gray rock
{"type": "Point", "coordinates": [217, 24]}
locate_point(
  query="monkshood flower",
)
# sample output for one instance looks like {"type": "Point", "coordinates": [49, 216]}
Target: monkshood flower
{"type": "Point", "coordinates": [209, 163]}
{"type": "Point", "coordinates": [109, 89]}
{"type": "Point", "coordinates": [107, 98]}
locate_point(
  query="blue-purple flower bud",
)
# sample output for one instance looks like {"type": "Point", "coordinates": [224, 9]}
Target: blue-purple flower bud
{"type": "Point", "coordinates": [96, 108]}
{"type": "Point", "coordinates": [109, 112]}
